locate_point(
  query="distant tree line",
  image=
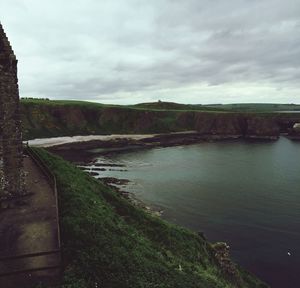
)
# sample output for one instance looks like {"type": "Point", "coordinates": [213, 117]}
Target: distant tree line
{"type": "Point", "coordinates": [31, 98]}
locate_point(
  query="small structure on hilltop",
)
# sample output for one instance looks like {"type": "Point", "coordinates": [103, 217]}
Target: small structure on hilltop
{"type": "Point", "coordinates": [11, 150]}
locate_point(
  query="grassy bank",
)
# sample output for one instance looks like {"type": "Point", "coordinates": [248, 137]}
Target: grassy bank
{"type": "Point", "coordinates": [108, 241]}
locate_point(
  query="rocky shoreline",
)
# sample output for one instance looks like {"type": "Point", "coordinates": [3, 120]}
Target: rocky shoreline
{"type": "Point", "coordinates": [145, 141]}
{"type": "Point", "coordinates": [116, 183]}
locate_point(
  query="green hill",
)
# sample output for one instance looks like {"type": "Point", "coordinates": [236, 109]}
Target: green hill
{"type": "Point", "coordinates": [45, 118]}
{"type": "Point", "coordinates": [256, 107]}
{"type": "Point", "coordinates": [160, 105]}
{"type": "Point", "coordinates": [243, 107]}
{"type": "Point", "coordinates": [109, 243]}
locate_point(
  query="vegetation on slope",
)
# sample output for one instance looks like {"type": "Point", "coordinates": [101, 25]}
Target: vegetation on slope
{"type": "Point", "coordinates": [161, 105]}
{"type": "Point", "coordinates": [108, 241]}
{"type": "Point", "coordinates": [257, 107]}
{"type": "Point", "coordinates": [243, 107]}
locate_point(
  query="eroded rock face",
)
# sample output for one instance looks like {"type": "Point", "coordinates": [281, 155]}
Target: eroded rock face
{"type": "Point", "coordinates": [296, 128]}
{"type": "Point", "coordinates": [262, 127]}
{"type": "Point", "coordinates": [222, 257]}
{"type": "Point", "coordinates": [11, 154]}
{"type": "Point", "coordinates": [219, 124]}
{"type": "Point", "coordinates": [248, 126]}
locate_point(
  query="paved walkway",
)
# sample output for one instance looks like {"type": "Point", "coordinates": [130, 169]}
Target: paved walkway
{"type": "Point", "coordinates": [30, 227]}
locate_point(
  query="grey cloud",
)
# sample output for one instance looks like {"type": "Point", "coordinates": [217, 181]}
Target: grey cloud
{"type": "Point", "coordinates": [88, 49]}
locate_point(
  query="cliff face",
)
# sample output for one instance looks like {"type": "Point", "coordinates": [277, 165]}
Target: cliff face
{"type": "Point", "coordinates": [238, 124]}
{"type": "Point", "coordinates": [294, 132]}
{"type": "Point", "coordinates": [54, 120]}
{"type": "Point", "coordinates": [220, 124]}
{"type": "Point", "coordinates": [40, 120]}
{"type": "Point", "coordinates": [260, 127]}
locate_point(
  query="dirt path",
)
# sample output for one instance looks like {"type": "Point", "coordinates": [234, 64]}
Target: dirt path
{"type": "Point", "coordinates": [29, 227]}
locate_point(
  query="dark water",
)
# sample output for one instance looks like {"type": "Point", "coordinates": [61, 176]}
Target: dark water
{"type": "Point", "coordinates": [246, 194]}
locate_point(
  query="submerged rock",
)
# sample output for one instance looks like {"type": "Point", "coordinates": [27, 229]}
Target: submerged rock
{"type": "Point", "coordinates": [115, 181]}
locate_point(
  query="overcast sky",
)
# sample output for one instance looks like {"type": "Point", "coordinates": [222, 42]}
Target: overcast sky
{"type": "Point", "coordinates": [130, 51]}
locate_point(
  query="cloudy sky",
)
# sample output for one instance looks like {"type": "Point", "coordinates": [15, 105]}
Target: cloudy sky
{"type": "Point", "coordinates": [129, 51]}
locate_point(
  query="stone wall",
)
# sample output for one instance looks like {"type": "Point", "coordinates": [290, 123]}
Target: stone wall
{"type": "Point", "coordinates": [11, 154]}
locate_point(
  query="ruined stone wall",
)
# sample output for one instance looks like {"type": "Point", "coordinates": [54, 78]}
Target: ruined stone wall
{"type": "Point", "coordinates": [11, 154]}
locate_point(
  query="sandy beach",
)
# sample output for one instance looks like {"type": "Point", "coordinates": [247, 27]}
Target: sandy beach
{"type": "Point", "coordinates": [49, 142]}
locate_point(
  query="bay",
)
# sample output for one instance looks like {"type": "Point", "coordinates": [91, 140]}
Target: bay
{"type": "Point", "coordinates": [244, 193]}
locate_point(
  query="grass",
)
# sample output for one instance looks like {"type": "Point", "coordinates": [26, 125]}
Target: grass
{"type": "Point", "coordinates": [247, 107]}
{"type": "Point", "coordinates": [257, 107]}
{"type": "Point", "coordinates": [171, 106]}
{"type": "Point", "coordinates": [109, 242]}
{"type": "Point", "coordinates": [47, 102]}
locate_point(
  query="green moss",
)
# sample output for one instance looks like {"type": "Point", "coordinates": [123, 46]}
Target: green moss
{"type": "Point", "coordinates": [107, 240]}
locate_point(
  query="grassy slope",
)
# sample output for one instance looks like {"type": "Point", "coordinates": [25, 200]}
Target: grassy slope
{"type": "Point", "coordinates": [257, 107]}
{"type": "Point", "coordinates": [37, 101]}
{"type": "Point", "coordinates": [108, 241]}
{"type": "Point", "coordinates": [247, 107]}
{"type": "Point", "coordinates": [174, 106]}
{"type": "Point", "coordinates": [167, 106]}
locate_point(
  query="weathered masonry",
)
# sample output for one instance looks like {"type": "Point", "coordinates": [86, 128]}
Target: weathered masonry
{"type": "Point", "coordinates": [11, 154]}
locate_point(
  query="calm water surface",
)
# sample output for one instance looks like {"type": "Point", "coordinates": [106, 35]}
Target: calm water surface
{"type": "Point", "coordinates": [246, 194]}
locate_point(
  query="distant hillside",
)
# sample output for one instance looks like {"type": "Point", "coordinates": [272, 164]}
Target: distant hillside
{"type": "Point", "coordinates": [256, 107]}
{"type": "Point", "coordinates": [45, 118]}
{"type": "Point", "coordinates": [171, 106]}
{"type": "Point", "coordinates": [247, 107]}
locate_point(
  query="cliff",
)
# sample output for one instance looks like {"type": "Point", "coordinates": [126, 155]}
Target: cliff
{"type": "Point", "coordinates": [294, 133]}
{"type": "Point", "coordinates": [62, 118]}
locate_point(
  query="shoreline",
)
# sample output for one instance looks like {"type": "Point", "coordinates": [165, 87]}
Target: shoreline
{"type": "Point", "coordinates": [117, 183]}
{"type": "Point", "coordinates": [137, 140]}
{"type": "Point", "coordinates": [118, 143]}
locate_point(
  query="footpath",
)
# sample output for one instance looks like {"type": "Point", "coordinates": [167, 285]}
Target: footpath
{"type": "Point", "coordinates": [29, 234]}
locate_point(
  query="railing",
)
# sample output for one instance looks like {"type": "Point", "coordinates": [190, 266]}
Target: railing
{"type": "Point", "coordinates": [52, 181]}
